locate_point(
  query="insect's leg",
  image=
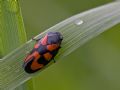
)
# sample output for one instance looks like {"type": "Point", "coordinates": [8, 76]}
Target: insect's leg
{"type": "Point", "coordinates": [54, 60]}
{"type": "Point", "coordinates": [36, 39]}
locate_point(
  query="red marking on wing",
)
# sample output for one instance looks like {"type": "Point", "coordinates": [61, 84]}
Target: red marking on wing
{"type": "Point", "coordinates": [44, 40]}
{"type": "Point", "coordinates": [52, 47]}
{"type": "Point", "coordinates": [47, 56]}
{"type": "Point", "coordinates": [35, 65]}
{"type": "Point", "coordinates": [36, 45]}
{"type": "Point", "coordinates": [27, 58]}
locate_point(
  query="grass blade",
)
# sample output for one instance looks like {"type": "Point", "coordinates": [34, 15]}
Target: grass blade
{"type": "Point", "coordinates": [12, 32]}
{"type": "Point", "coordinates": [11, 27]}
{"type": "Point", "coordinates": [76, 31]}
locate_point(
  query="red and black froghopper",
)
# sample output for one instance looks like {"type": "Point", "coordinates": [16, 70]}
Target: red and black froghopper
{"type": "Point", "coordinates": [43, 52]}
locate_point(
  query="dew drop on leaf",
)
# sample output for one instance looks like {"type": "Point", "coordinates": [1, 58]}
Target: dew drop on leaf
{"type": "Point", "coordinates": [79, 22]}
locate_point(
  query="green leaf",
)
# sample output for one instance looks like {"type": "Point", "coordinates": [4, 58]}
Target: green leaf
{"type": "Point", "coordinates": [76, 31]}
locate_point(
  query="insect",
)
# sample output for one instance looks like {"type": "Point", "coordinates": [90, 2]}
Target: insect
{"type": "Point", "coordinates": [43, 52]}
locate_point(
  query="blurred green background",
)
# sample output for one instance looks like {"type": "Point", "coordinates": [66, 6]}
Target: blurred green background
{"type": "Point", "coordinates": [94, 66]}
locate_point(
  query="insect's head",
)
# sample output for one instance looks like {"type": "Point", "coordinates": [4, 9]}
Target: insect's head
{"type": "Point", "coordinates": [54, 37]}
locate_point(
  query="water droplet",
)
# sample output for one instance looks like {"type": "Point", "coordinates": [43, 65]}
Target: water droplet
{"type": "Point", "coordinates": [79, 22]}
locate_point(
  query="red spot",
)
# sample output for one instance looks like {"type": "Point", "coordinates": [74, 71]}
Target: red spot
{"type": "Point", "coordinates": [36, 46]}
{"type": "Point", "coordinates": [44, 40]}
{"type": "Point", "coordinates": [27, 58]}
{"type": "Point", "coordinates": [47, 56]}
{"type": "Point", "coordinates": [52, 47]}
{"type": "Point", "coordinates": [35, 54]}
{"type": "Point", "coordinates": [35, 65]}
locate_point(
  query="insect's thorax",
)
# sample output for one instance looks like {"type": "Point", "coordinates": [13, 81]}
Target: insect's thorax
{"type": "Point", "coordinates": [42, 49]}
